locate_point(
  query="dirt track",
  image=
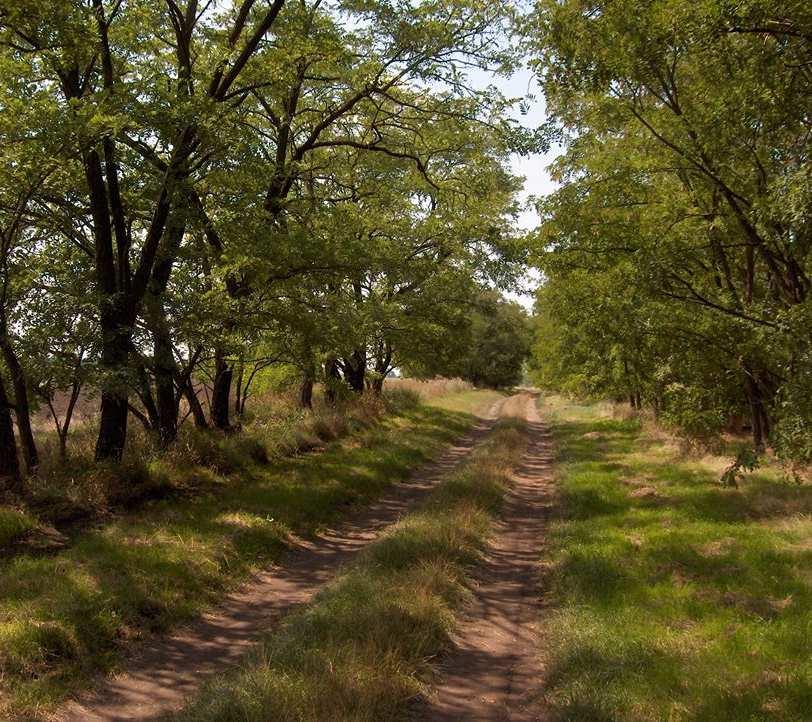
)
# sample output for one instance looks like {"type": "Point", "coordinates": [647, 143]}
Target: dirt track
{"type": "Point", "coordinates": [168, 670]}
{"type": "Point", "coordinates": [494, 663]}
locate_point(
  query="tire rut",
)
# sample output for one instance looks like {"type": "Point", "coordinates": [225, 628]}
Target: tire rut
{"type": "Point", "coordinates": [166, 671]}
{"type": "Point", "coordinates": [494, 666]}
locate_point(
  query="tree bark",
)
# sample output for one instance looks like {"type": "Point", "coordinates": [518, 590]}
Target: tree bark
{"type": "Point", "coordinates": [223, 373]}
{"type": "Point", "coordinates": [9, 462]}
{"type": "Point", "coordinates": [306, 388]}
{"type": "Point", "coordinates": [355, 368]}
{"type": "Point", "coordinates": [166, 401]}
{"type": "Point", "coordinates": [22, 405]}
{"type": "Point", "coordinates": [382, 361]}
{"type": "Point", "coordinates": [194, 405]}
{"type": "Point", "coordinates": [331, 379]}
{"type": "Point", "coordinates": [164, 371]}
{"type": "Point", "coordinates": [239, 401]}
{"type": "Point", "coordinates": [144, 393]}
{"type": "Point", "coordinates": [114, 397]}
{"type": "Point", "coordinates": [759, 418]}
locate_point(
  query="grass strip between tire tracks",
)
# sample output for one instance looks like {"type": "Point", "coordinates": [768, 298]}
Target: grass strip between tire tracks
{"type": "Point", "coordinates": [68, 615]}
{"type": "Point", "coordinates": [362, 649]}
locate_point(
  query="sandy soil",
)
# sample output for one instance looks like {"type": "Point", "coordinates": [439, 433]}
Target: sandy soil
{"type": "Point", "coordinates": [168, 670]}
{"type": "Point", "coordinates": [495, 660]}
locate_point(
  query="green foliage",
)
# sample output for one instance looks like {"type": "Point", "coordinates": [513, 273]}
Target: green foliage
{"type": "Point", "coordinates": [183, 200]}
{"type": "Point", "coordinates": [676, 251]}
{"type": "Point", "coordinates": [491, 348]}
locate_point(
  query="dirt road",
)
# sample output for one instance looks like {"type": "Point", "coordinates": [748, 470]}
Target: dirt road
{"type": "Point", "coordinates": [494, 663]}
{"type": "Point", "coordinates": [169, 670]}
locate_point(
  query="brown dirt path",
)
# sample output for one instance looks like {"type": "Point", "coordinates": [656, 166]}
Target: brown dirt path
{"type": "Point", "coordinates": [494, 665]}
{"type": "Point", "coordinates": [168, 670]}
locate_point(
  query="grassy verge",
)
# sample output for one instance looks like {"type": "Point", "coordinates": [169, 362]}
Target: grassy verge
{"type": "Point", "coordinates": [67, 614]}
{"type": "Point", "coordinates": [358, 652]}
{"type": "Point", "coordinates": [673, 598]}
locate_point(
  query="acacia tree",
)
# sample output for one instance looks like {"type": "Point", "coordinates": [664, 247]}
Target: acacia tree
{"type": "Point", "coordinates": [322, 109]}
{"type": "Point", "coordinates": [78, 53]}
{"type": "Point", "coordinates": [687, 129]}
{"type": "Point", "coordinates": [187, 182]}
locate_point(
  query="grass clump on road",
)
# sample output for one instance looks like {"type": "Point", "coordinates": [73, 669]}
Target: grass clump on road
{"type": "Point", "coordinates": [673, 597]}
{"type": "Point", "coordinates": [68, 614]}
{"type": "Point", "coordinates": [358, 652]}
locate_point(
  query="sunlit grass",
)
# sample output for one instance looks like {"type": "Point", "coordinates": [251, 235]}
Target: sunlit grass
{"type": "Point", "coordinates": [463, 400]}
{"type": "Point", "coordinates": [361, 650]}
{"type": "Point", "coordinates": [672, 597]}
{"type": "Point", "coordinates": [66, 615]}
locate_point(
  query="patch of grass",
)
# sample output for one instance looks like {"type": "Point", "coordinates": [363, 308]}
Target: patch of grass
{"type": "Point", "coordinates": [13, 524]}
{"type": "Point", "coordinates": [672, 597]}
{"type": "Point", "coordinates": [358, 652]}
{"type": "Point", "coordinates": [463, 400]}
{"type": "Point", "coordinates": [68, 614]}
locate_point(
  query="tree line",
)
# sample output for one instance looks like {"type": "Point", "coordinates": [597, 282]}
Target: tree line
{"type": "Point", "coordinates": [196, 190]}
{"type": "Point", "coordinates": [676, 249]}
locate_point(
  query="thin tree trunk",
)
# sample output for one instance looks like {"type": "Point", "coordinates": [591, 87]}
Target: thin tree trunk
{"type": "Point", "coordinates": [165, 370]}
{"type": "Point", "coordinates": [758, 415]}
{"type": "Point", "coordinates": [22, 406]}
{"type": "Point", "coordinates": [144, 390]}
{"type": "Point", "coordinates": [306, 388]}
{"type": "Point", "coordinates": [382, 362]}
{"type": "Point", "coordinates": [194, 405]}
{"type": "Point", "coordinates": [9, 462]}
{"type": "Point", "coordinates": [331, 379]}
{"type": "Point", "coordinates": [221, 392]}
{"type": "Point", "coordinates": [238, 391]}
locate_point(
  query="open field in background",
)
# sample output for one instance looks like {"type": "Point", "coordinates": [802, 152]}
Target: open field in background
{"type": "Point", "coordinates": [671, 597]}
{"type": "Point", "coordinates": [71, 601]}
{"type": "Point", "coordinates": [429, 388]}
{"type": "Point", "coordinates": [361, 651]}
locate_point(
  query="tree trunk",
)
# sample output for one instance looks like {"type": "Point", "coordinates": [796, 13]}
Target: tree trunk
{"type": "Point", "coordinates": [194, 405]}
{"type": "Point", "coordinates": [758, 413]}
{"type": "Point", "coordinates": [306, 393]}
{"type": "Point", "coordinates": [382, 361]}
{"type": "Point", "coordinates": [114, 411]}
{"type": "Point", "coordinates": [239, 401]}
{"type": "Point", "coordinates": [165, 368]}
{"type": "Point", "coordinates": [331, 378]}
{"type": "Point", "coordinates": [144, 392]}
{"type": "Point", "coordinates": [306, 388]}
{"type": "Point", "coordinates": [22, 406]}
{"type": "Point", "coordinates": [9, 463]}
{"type": "Point", "coordinates": [355, 368]}
{"type": "Point", "coordinates": [221, 392]}
{"type": "Point", "coordinates": [166, 404]}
